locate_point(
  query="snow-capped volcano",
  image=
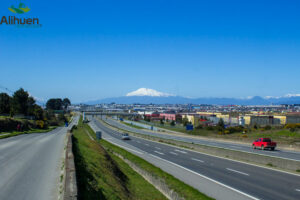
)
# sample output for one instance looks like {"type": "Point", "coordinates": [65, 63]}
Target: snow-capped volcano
{"type": "Point", "coordinates": [148, 92]}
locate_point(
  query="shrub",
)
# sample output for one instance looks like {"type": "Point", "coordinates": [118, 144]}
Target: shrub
{"type": "Point", "coordinates": [292, 129]}
{"type": "Point", "coordinates": [172, 123]}
{"type": "Point", "coordinates": [289, 126]}
{"type": "Point", "coordinates": [210, 128]}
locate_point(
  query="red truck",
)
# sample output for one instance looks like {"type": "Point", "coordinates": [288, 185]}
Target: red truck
{"type": "Point", "coordinates": [264, 143]}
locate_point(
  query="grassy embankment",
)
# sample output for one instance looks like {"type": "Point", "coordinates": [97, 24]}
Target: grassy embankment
{"type": "Point", "coordinates": [102, 175]}
{"type": "Point", "coordinates": [132, 125]}
{"type": "Point", "coordinates": [281, 135]}
{"type": "Point", "coordinates": [184, 190]}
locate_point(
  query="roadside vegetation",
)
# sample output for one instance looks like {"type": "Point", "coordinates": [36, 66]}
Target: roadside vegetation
{"type": "Point", "coordinates": [286, 135]}
{"type": "Point", "coordinates": [20, 114]}
{"type": "Point", "coordinates": [102, 175]}
{"type": "Point", "coordinates": [184, 190]}
{"type": "Point", "coordinates": [132, 125]}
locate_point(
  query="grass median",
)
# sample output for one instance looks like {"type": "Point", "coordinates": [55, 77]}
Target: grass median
{"type": "Point", "coordinates": [102, 175]}
{"type": "Point", "coordinates": [132, 125]}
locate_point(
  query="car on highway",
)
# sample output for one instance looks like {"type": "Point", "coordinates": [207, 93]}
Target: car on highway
{"type": "Point", "coordinates": [264, 143]}
{"type": "Point", "coordinates": [125, 136]}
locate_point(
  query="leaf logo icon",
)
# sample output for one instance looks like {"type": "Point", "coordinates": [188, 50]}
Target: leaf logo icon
{"type": "Point", "coordinates": [20, 10]}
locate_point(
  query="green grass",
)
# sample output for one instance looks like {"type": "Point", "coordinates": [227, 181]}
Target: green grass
{"type": "Point", "coordinates": [282, 136]}
{"type": "Point", "coordinates": [132, 125]}
{"type": "Point", "coordinates": [15, 133]}
{"type": "Point", "coordinates": [181, 188]}
{"type": "Point", "coordinates": [102, 175]}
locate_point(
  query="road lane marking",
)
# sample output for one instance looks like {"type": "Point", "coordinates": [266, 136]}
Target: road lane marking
{"type": "Point", "coordinates": [210, 179]}
{"type": "Point", "coordinates": [224, 158]}
{"type": "Point", "coordinates": [180, 151]}
{"type": "Point", "coordinates": [159, 152]}
{"type": "Point", "coordinates": [125, 147]}
{"type": "Point", "coordinates": [237, 171]}
{"type": "Point", "coordinates": [272, 152]}
{"type": "Point", "coordinates": [236, 147]}
{"type": "Point", "coordinates": [197, 160]}
{"type": "Point", "coordinates": [138, 141]}
{"type": "Point", "coordinates": [298, 190]}
{"type": "Point", "coordinates": [147, 144]}
{"type": "Point", "coordinates": [158, 148]}
{"type": "Point", "coordinates": [173, 153]}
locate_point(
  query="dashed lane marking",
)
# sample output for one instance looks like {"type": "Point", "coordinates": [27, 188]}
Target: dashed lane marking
{"type": "Point", "coordinates": [197, 160]}
{"type": "Point", "coordinates": [237, 171]}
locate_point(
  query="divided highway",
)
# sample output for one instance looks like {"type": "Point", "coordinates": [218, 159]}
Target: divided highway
{"type": "Point", "coordinates": [30, 165]}
{"type": "Point", "coordinates": [240, 147]}
{"type": "Point", "coordinates": [252, 181]}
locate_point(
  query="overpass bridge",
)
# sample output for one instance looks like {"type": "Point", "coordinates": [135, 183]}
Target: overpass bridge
{"type": "Point", "coordinates": [108, 113]}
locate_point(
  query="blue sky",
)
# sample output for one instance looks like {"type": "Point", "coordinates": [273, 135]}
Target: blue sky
{"type": "Point", "coordinates": [96, 49]}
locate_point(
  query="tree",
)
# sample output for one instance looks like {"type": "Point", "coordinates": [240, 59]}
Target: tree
{"type": "Point", "coordinates": [38, 112]}
{"type": "Point", "coordinates": [31, 106]}
{"type": "Point", "coordinates": [221, 123]}
{"type": "Point", "coordinates": [5, 103]}
{"type": "Point", "coordinates": [185, 121]}
{"type": "Point", "coordinates": [54, 104]}
{"type": "Point", "coordinates": [161, 121]}
{"type": "Point", "coordinates": [172, 123]}
{"type": "Point", "coordinates": [20, 101]}
{"type": "Point", "coordinates": [66, 102]}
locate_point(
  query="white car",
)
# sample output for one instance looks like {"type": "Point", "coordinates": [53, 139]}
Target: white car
{"type": "Point", "coordinates": [125, 136]}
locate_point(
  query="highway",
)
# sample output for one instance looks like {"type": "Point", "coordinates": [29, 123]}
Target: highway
{"type": "Point", "coordinates": [30, 165]}
{"type": "Point", "coordinates": [234, 146]}
{"type": "Point", "coordinates": [252, 181]}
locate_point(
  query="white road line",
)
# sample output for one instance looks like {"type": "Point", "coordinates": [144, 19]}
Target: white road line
{"type": "Point", "coordinates": [298, 190]}
{"type": "Point", "coordinates": [147, 144]}
{"type": "Point", "coordinates": [217, 182]}
{"type": "Point", "coordinates": [272, 152]}
{"type": "Point", "coordinates": [107, 138]}
{"type": "Point", "coordinates": [236, 147]}
{"type": "Point", "coordinates": [159, 152]}
{"type": "Point", "coordinates": [237, 171]}
{"type": "Point", "coordinates": [197, 160]}
{"type": "Point", "coordinates": [126, 147]}
{"type": "Point", "coordinates": [173, 153]}
{"type": "Point", "coordinates": [180, 151]}
{"type": "Point", "coordinates": [138, 141]}
{"type": "Point", "coordinates": [158, 148]}
{"type": "Point", "coordinates": [236, 161]}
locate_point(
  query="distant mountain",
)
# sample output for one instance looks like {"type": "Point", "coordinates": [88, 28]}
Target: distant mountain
{"type": "Point", "coordinates": [147, 96]}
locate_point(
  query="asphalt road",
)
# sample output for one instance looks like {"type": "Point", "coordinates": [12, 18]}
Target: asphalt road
{"type": "Point", "coordinates": [30, 165]}
{"type": "Point", "coordinates": [240, 147]}
{"type": "Point", "coordinates": [257, 182]}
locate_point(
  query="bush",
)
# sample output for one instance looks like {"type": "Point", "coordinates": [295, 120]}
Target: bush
{"type": "Point", "coordinates": [8, 124]}
{"type": "Point", "coordinates": [53, 123]}
{"type": "Point", "coordinates": [235, 129]}
{"type": "Point", "coordinates": [289, 126]}
{"type": "Point", "coordinates": [292, 129]}
{"type": "Point", "coordinates": [199, 127]}
{"type": "Point", "coordinates": [210, 128]}
{"type": "Point", "coordinates": [268, 127]}
{"type": "Point", "coordinates": [172, 123]}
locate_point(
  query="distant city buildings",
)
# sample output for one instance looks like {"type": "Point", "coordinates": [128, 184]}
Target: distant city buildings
{"type": "Point", "coordinates": [206, 115]}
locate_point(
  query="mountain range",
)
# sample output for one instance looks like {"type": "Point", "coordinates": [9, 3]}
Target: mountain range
{"type": "Point", "coordinates": [147, 96]}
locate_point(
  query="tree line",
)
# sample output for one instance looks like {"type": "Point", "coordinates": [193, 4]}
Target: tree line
{"type": "Point", "coordinates": [22, 103]}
